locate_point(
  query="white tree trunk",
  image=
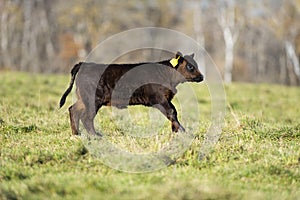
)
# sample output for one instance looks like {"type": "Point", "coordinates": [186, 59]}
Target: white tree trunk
{"type": "Point", "coordinates": [230, 33]}
{"type": "Point", "coordinates": [26, 35]}
{"type": "Point", "coordinates": [229, 45]}
{"type": "Point", "coordinates": [199, 35]}
{"type": "Point", "coordinates": [291, 53]}
{"type": "Point", "coordinates": [4, 38]}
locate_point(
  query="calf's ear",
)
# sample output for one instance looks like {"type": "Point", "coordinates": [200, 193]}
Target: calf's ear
{"type": "Point", "coordinates": [178, 54]}
{"type": "Point", "coordinates": [192, 55]}
{"type": "Point", "coordinates": [177, 60]}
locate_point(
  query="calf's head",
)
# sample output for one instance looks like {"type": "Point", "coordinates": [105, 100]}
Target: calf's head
{"type": "Point", "coordinates": [187, 67]}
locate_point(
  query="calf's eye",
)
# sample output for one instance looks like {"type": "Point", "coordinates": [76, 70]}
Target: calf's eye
{"type": "Point", "coordinates": [190, 67]}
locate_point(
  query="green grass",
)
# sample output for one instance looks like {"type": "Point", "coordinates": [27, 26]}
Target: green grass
{"type": "Point", "coordinates": [257, 156]}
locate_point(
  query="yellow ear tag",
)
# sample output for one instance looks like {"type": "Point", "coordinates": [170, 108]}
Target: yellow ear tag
{"type": "Point", "coordinates": [174, 61]}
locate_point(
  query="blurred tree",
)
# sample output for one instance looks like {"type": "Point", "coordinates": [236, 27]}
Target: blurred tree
{"type": "Point", "coordinates": [4, 34]}
{"type": "Point", "coordinates": [37, 39]}
{"type": "Point", "coordinates": [10, 33]}
{"type": "Point", "coordinates": [228, 21]}
{"type": "Point", "coordinates": [285, 24]}
{"type": "Point", "coordinates": [198, 29]}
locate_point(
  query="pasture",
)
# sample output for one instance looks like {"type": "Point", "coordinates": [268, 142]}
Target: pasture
{"type": "Point", "coordinates": [257, 156]}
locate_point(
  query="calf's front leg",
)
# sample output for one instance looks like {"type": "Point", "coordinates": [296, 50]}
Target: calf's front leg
{"type": "Point", "coordinates": [169, 110]}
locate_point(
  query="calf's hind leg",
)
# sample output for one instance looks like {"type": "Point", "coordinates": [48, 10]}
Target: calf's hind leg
{"type": "Point", "coordinates": [79, 112]}
{"type": "Point", "coordinates": [88, 122]}
{"type": "Point", "coordinates": [75, 112]}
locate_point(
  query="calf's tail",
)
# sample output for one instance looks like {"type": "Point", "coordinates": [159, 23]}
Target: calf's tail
{"type": "Point", "coordinates": [67, 92]}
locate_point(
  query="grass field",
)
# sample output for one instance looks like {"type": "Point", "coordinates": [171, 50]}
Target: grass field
{"type": "Point", "coordinates": [257, 156]}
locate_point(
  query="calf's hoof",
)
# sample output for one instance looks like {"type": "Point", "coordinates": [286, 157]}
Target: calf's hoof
{"type": "Point", "coordinates": [177, 127]}
{"type": "Point", "coordinates": [181, 128]}
{"type": "Point", "coordinates": [99, 135]}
